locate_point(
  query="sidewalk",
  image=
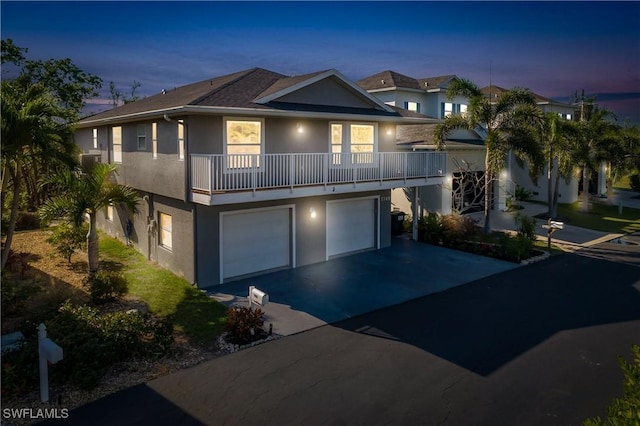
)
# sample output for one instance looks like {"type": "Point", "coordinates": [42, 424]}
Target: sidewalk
{"type": "Point", "coordinates": [570, 238]}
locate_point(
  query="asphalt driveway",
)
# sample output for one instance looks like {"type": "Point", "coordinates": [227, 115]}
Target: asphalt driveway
{"type": "Point", "coordinates": [323, 293]}
{"type": "Point", "coordinates": [535, 345]}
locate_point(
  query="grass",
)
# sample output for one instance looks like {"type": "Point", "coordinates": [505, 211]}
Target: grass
{"type": "Point", "coordinates": [622, 183]}
{"type": "Point", "coordinates": [542, 245]}
{"type": "Point", "coordinates": [601, 217]}
{"type": "Point", "coordinates": [193, 313]}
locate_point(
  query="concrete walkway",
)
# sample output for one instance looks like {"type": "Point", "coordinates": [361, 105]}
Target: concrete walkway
{"type": "Point", "coordinates": [310, 296]}
{"type": "Point", "coordinates": [570, 238]}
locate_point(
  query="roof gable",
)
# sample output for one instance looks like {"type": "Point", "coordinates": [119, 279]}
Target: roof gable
{"type": "Point", "coordinates": [389, 80]}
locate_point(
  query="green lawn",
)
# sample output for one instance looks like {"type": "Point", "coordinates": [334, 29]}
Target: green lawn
{"type": "Point", "coordinates": [601, 217]}
{"type": "Point", "coordinates": [199, 317]}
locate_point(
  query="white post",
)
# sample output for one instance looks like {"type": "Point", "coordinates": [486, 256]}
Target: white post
{"type": "Point", "coordinates": [44, 370]}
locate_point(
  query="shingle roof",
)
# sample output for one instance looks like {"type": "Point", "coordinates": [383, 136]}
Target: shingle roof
{"type": "Point", "coordinates": [440, 82]}
{"type": "Point", "coordinates": [497, 91]}
{"type": "Point", "coordinates": [387, 80]}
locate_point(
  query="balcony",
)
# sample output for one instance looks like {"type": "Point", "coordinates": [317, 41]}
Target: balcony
{"type": "Point", "coordinates": [224, 179]}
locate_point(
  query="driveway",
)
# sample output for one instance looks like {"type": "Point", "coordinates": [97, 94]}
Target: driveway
{"type": "Point", "coordinates": [322, 293]}
{"type": "Point", "coordinates": [534, 345]}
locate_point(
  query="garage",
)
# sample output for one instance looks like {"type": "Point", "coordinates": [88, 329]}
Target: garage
{"type": "Point", "coordinates": [351, 225]}
{"type": "Point", "coordinates": [255, 240]}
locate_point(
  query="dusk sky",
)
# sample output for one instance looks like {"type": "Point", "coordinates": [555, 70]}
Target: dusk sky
{"type": "Point", "coordinates": [552, 48]}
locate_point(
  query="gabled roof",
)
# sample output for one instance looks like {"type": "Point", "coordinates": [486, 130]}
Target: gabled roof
{"type": "Point", "coordinates": [388, 80]}
{"type": "Point", "coordinates": [497, 91]}
{"type": "Point", "coordinates": [441, 82]}
{"type": "Point", "coordinates": [421, 135]}
{"type": "Point", "coordinates": [253, 90]}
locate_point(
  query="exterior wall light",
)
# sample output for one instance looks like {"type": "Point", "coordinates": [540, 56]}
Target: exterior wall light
{"type": "Point", "coordinates": [300, 128]}
{"type": "Point", "coordinates": [312, 213]}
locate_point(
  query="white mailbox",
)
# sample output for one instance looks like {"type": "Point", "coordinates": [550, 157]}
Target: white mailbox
{"type": "Point", "coordinates": [556, 224]}
{"type": "Point", "coordinates": [258, 297]}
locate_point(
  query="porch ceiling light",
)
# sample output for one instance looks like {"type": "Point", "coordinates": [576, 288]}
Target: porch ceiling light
{"type": "Point", "coordinates": [300, 128]}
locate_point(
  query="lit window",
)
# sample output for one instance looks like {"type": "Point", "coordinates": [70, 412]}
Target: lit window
{"type": "Point", "coordinates": [116, 134]}
{"type": "Point", "coordinates": [109, 213]}
{"type": "Point", "coordinates": [359, 141]}
{"type": "Point", "coordinates": [142, 137]}
{"type": "Point", "coordinates": [463, 109]}
{"type": "Point", "coordinates": [448, 108]}
{"type": "Point", "coordinates": [180, 139]}
{"type": "Point", "coordinates": [412, 106]}
{"type": "Point", "coordinates": [154, 140]}
{"type": "Point", "coordinates": [243, 143]}
{"type": "Point", "coordinates": [95, 138]}
{"type": "Point", "coordinates": [165, 231]}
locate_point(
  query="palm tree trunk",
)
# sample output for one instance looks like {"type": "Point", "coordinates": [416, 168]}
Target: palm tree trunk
{"type": "Point", "coordinates": [550, 194]}
{"type": "Point", "coordinates": [92, 245]}
{"type": "Point", "coordinates": [585, 189]}
{"type": "Point", "coordinates": [487, 201]}
{"type": "Point", "coordinates": [554, 205]}
{"type": "Point", "coordinates": [15, 177]}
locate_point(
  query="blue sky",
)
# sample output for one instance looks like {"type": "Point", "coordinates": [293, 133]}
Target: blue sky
{"type": "Point", "coordinates": [552, 48]}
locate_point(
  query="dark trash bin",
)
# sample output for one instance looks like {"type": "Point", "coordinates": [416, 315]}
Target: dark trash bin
{"type": "Point", "coordinates": [397, 222]}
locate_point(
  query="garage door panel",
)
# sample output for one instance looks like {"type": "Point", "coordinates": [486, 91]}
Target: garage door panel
{"type": "Point", "coordinates": [255, 241]}
{"type": "Point", "coordinates": [351, 226]}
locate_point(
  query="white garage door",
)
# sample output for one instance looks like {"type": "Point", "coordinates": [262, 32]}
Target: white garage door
{"type": "Point", "coordinates": [351, 225]}
{"type": "Point", "coordinates": [255, 240]}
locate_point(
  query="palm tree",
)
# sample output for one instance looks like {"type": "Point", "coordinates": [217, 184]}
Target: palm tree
{"type": "Point", "coordinates": [596, 133]}
{"type": "Point", "coordinates": [555, 138]}
{"type": "Point", "coordinates": [509, 125]}
{"type": "Point", "coordinates": [86, 193]}
{"type": "Point", "coordinates": [33, 133]}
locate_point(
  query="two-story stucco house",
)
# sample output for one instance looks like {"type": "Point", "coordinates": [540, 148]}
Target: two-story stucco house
{"type": "Point", "coordinates": [256, 171]}
{"type": "Point", "coordinates": [429, 96]}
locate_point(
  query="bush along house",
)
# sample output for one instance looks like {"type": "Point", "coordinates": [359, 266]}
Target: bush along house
{"type": "Point", "coordinates": [256, 171]}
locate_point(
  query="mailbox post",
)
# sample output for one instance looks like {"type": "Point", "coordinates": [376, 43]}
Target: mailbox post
{"type": "Point", "coordinates": [258, 297]}
{"type": "Point", "coordinates": [551, 227]}
{"type": "Point", "coordinates": [48, 352]}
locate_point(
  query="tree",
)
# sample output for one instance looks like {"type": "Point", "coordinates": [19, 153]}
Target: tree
{"type": "Point", "coordinates": [39, 108]}
{"type": "Point", "coordinates": [555, 138]}
{"type": "Point", "coordinates": [597, 133]}
{"type": "Point", "coordinates": [86, 193]}
{"type": "Point", "coordinates": [509, 125]}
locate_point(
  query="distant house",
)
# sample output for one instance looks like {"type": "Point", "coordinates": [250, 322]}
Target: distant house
{"type": "Point", "coordinates": [256, 171]}
{"type": "Point", "coordinates": [465, 148]}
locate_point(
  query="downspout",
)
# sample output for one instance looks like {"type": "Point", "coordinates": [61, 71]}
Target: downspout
{"type": "Point", "coordinates": [187, 190]}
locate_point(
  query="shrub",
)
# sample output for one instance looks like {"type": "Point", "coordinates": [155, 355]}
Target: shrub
{"type": "Point", "coordinates": [625, 410]}
{"type": "Point", "coordinates": [27, 220]}
{"type": "Point", "coordinates": [430, 228]}
{"type": "Point", "coordinates": [517, 248]}
{"type": "Point", "coordinates": [17, 262]}
{"type": "Point", "coordinates": [66, 239]}
{"type": "Point", "coordinates": [634, 182]}
{"type": "Point", "coordinates": [13, 295]}
{"type": "Point", "coordinates": [105, 286]}
{"type": "Point", "coordinates": [526, 226]}
{"type": "Point", "coordinates": [522, 194]}
{"type": "Point", "coordinates": [244, 324]}
{"type": "Point", "coordinates": [456, 229]}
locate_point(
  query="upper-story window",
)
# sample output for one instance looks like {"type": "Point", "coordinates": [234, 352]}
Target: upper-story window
{"type": "Point", "coordinates": [142, 137]}
{"type": "Point", "coordinates": [154, 140]}
{"type": "Point", "coordinates": [448, 108]}
{"type": "Point", "coordinates": [244, 142]}
{"type": "Point", "coordinates": [180, 139]}
{"type": "Point", "coordinates": [116, 139]}
{"type": "Point", "coordinates": [355, 141]}
{"type": "Point", "coordinates": [95, 138]}
{"type": "Point", "coordinates": [412, 106]}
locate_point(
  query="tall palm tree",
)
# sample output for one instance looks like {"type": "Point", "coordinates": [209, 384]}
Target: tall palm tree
{"type": "Point", "coordinates": [555, 137]}
{"type": "Point", "coordinates": [596, 133]}
{"type": "Point", "coordinates": [33, 133]}
{"type": "Point", "coordinates": [86, 193]}
{"type": "Point", "coordinates": [508, 121]}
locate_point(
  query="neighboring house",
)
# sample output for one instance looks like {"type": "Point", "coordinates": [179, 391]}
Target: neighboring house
{"type": "Point", "coordinates": [466, 151]}
{"type": "Point", "coordinates": [256, 171]}
{"type": "Point", "coordinates": [465, 148]}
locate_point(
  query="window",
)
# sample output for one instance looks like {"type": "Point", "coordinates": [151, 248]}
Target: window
{"type": "Point", "coordinates": [95, 138]}
{"type": "Point", "coordinates": [142, 137]}
{"type": "Point", "coordinates": [116, 133]}
{"type": "Point", "coordinates": [165, 231]}
{"type": "Point", "coordinates": [448, 108]}
{"type": "Point", "coordinates": [180, 140]}
{"type": "Point", "coordinates": [154, 140]}
{"type": "Point", "coordinates": [412, 106]}
{"type": "Point", "coordinates": [565, 116]}
{"type": "Point", "coordinates": [244, 141]}
{"type": "Point", "coordinates": [359, 140]}
{"type": "Point", "coordinates": [109, 213]}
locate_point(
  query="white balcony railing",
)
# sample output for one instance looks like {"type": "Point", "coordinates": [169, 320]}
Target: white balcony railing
{"type": "Point", "coordinates": [222, 173]}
